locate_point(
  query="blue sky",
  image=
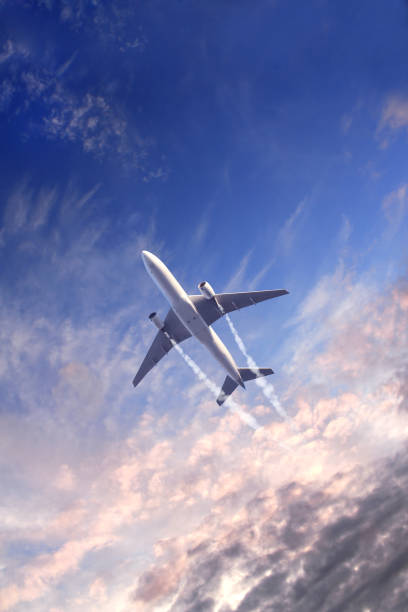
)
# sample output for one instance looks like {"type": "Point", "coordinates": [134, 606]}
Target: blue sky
{"type": "Point", "coordinates": [256, 146]}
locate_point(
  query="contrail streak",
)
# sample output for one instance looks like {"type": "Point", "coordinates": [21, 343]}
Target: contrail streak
{"type": "Point", "coordinates": [267, 388]}
{"type": "Point", "coordinates": [232, 405]}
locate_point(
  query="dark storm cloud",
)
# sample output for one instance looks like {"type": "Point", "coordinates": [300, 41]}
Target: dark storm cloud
{"type": "Point", "coordinates": [317, 550]}
{"type": "Point", "coordinates": [263, 591]}
{"type": "Point", "coordinates": [195, 595]}
{"type": "Point", "coordinates": [202, 606]}
{"type": "Point", "coordinates": [402, 376]}
{"type": "Point", "coordinates": [403, 388]}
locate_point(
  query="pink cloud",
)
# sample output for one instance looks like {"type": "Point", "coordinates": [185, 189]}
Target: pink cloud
{"type": "Point", "coordinates": [97, 590]}
{"type": "Point", "coordinates": [65, 479]}
{"type": "Point", "coordinates": [46, 569]}
{"type": "Point", "coordinates": [160, 581]}
{"type": "Point", "coordinates": [395, 113]}
{"type": "Point", "coordinates": [355, 344]}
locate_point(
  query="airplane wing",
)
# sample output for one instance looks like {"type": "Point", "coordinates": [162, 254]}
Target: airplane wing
{"type": "Point", "coordinates": [161, 344]}
{"type": "Point", "coordinates": [210, 312]}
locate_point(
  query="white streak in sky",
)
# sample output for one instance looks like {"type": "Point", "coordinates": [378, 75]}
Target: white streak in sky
{"type": "Point", "coordinates": [267, 388]}
{"type": "Point", "coordinates": [67, 64]}
{"type": "Point", "coordinates": [232, 405]}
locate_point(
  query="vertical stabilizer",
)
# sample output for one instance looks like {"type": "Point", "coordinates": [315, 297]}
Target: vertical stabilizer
{"type": "Point", "coordinates": [228, 387]}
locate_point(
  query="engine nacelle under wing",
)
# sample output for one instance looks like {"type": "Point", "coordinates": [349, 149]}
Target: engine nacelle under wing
{"type": "Point", "coordinates": [206, 290]}
{"type": "Point", "coordinates": [156, 320]}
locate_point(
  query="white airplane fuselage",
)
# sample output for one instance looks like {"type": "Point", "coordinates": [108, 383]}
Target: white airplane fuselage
{"type": "Point", "coordinates": [188, 314]}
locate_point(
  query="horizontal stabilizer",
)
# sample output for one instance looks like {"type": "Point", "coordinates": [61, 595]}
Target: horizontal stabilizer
{"type": "Point", "coordinates": [251, 373]}
{"type": "Point", "coordinates": [230, 385]}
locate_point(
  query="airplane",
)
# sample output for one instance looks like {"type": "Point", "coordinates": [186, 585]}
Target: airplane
{"type": "Point", "coordinates": [193, 315]}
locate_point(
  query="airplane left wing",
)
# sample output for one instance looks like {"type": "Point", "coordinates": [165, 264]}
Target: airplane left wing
{"type": "Point", "coordinates": [161, 345]}
{"type": "Point", "coordinates": [228, 302]}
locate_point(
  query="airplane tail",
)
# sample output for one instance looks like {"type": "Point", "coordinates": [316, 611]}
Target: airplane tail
{"type": "Point", "coordinates": [230, 385]}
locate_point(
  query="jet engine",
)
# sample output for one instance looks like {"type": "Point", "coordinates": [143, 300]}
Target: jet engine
{"type": "Point", "coordinates": [206, 290]}
{"type": "Point", "coordinates": [154, 317]}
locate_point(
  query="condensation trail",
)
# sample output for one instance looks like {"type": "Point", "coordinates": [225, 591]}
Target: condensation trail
{"type": "Point", "coordinates": [230, 403]}
{"type": "Point", "coordinates": [267, 388]}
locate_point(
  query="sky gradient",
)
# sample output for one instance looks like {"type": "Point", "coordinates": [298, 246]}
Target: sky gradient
{"type": "Point", "coordinates": [255, 145]}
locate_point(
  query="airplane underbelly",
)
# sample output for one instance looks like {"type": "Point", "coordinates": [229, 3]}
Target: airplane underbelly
{"type": "Point", "coordinates": [189, 316]}
{"type": "Point", "coordinates": [218, 350]}
{"type": "Point", "coordinates": [191, 319]}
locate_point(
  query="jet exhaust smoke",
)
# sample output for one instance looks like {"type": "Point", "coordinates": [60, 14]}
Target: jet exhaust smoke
{"type": "Point", "coordinates": [232, 405]}
{"type": "Point", "coordinates": [267, 388]}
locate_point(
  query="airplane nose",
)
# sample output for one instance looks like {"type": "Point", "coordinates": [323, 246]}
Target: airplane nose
{"type": "Point", "coordinates": [146, 257]}
{"type": "Point", "coordinates": [149, 260]}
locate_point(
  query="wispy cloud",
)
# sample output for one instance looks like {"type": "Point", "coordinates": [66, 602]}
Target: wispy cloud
{"type": "Point", "coordinates": [108, 22]}
{"type": "Point", "coordinates": [66, 65]}
{"type": "Point", "coordinates": [395, 112]}
{"type": "Point", "coordinates": [348, 118]}
{"type": "Point", "coordinates": [287, 233]}
{"type": "Point", "coordinates": [347, 347]}
{"type": "Point", "coordinates": [28, 209]}
{"type": "Point", "coordinates": [90, 121]}
{"type": "Point", "coordinates": [94, 120]}
{"type": "Point", "coordinates": [45, 201]}
{"type": "Point", "coordinates": [236, 281]}
{"type": "Point", "coordinates": [343, 236]}
{"type": "Point", "coordinates": [345, 230]}
{"type": "Point", "coordinates": [7, 91]}
{"type": "Point", "coordinates": [88, 195]}
{"type": "Point", "coordinates": [254, 284]}
{"type": "Point", "coordinates": [200, 232]}
{"type": "Point", "coordinates": [394, 117]}
{"type": "Point", "coordinates": [18, 207]}
{"type": "Point", "coordinates": [7, 52]}
{"type": "Point", "coordinates": [346, 122]}
{"type": "Point", "coordinates": [395, 207]}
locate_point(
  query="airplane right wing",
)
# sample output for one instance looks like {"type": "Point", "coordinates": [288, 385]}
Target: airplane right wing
{"type": "Point", "coordinates": [161, 345]}
{"type": "Point", "coordinates": [228, 302]}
